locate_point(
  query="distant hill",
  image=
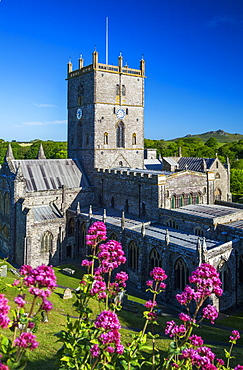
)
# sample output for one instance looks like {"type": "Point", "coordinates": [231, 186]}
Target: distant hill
{"type": "Point", "coordinates": [220, 135]}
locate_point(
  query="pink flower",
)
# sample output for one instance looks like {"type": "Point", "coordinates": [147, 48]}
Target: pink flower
{"type": "Point", "coordinates": [149, 283]}
{"type": "Point", "coordinates": [235, 335]}
{"type": "Point", "coordinates": [19, 300]}
{"type": "Point", "coordinates": [158, 274]}
{"type": "Point", "coordinates": [149, 304]}
{"type": "Point", "coordinates": [110, 349]}
{"type": "Point", "coordinates": [26, 340]}
{"type": "Point", "coordinates": [40, 277]}
{"type": "Point", "coordinates": [16, 282]}
{"type": "Point", "coordinates": [4, 310]}
{"type": "Point", "coordinates": [111, 255]}
{"type": "Point", "coordinates": [206, 280]}
{"type": "Point", "coordinates": [46, 305]}
{"type": "Point", "coordinates": [96, 233]}
{"type": "Point", "coordinates": [4, 367]}
{"type": "Point", "coordinates": [172, 329]}
{"type": "Point", "coordinates": [186, 296]}
{"type": "Point", "coordinates": [120, 349]}
{"type": "Point", "coordinates": [220, 362]}
{"type": "Point", "coordinates": [87, 263]}
{"type": "Point", "coordinates": [210, 312]}
{"type": "Point", "coordinates": [97, 287]}
{"type": "Point", "coordinates": [95, 351]}
{"type": "Point", "coordinates": [196, 340]}
{"type": "Point", "coordinates": [107, 320]}
{"type": "Point", "coordinates": [238, 367]}
{"type": "Point", "coordinates": [184, 317]}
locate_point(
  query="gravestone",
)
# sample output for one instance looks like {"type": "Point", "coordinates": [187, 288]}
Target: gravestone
{"type": "Point", "coordinates": [3, 271]}
{"type": "Point", "coordinates": [68, 271]}
{"type": "Point", "coordinates": [67, 294]}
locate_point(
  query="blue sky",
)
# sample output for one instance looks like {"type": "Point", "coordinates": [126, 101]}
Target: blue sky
{"type": "Point", "coordinates": [193, 51]}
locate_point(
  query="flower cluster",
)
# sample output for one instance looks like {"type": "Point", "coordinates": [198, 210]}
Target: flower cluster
{"type": "Point", "coordinates": [108, 322]}
{"type": "Point", "coordinates": [4, 310]}
{"type": "Point", "coordinates": [172, 329]}
{"type": "Point", "coordinates": [207, 281]}
{"type": "Point", "coordinates": [210, 313]}
{"type": "Point", "coordinates": [235, 335]}
{"type": "Point", "coordinates": [26, 340]}
{"type": "Point", "coordinates": [40, 277]}
{"type": "Point", "coordinates": [96, 234]}
{"type": "Point", "coordinates": [201, 357]}
{"type": "Point", "coordinates": [111, 255]}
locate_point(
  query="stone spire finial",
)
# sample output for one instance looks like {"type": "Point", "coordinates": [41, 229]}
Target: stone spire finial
{"type": "Point", "coordinates": [204, 165]}
{"type": "Point", "coordinates": [41, 153]}
{"type": "Point", "coordinates": [167, 238]}
{"type": "Point", "coordinates": [78, 209]}
{"type": "Point", "coordinates": [123, 221]}
{"type": "Point", "coordinates": [179, 151]}
{"type": "Point", "coordinates": [90, 212]}
{"type": "Point", "coordinates": [143, 230]}
{"type": "Point", "coordinates": [104, 216]}
{"type": "Point", "coordinates": [9, 152]}
{"type": "Point", "coordinates": [204, 251]}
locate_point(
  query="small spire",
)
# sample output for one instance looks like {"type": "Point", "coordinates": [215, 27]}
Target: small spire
{"type": "Point", "coordinates": [123, 221]}
{"type": "Point", "coordinates": [104, 216]}
{"type": "Point", "coordinates": [199, 251]}
{"type": "Point", "coordinates": [9, 153]}
{"type": "Point", "coordinates": [142, 57]}
{"type": "Point", "coordinates": [167, 237]}
{"type": "Point", "coordinates": [204, 251]}
{"type": "Point", "coordinates": [204, 165]}
{"type": "Point", "coordinates": [143, 230]}
{"type": "Point", "coordinates": [90, 212]}
{"type": "Point", "coordinates": [19, 173]}
{"type": "Point", "coordinates": [41, 153]}
{"type": "Point", "coordinates": [78, 209]}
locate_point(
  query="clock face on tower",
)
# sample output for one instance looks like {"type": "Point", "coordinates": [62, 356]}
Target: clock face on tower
{"type": "Point", "coordinates": [120, 113]}
{"type": "Point", "coordinates": [79, 113]}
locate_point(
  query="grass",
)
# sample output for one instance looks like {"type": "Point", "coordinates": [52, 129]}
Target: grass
{"type": "Point", "coordinates": [43, 356]}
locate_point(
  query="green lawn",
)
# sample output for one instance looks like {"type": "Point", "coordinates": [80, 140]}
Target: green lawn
{"type": "Point", "coordinates": [43, 356]}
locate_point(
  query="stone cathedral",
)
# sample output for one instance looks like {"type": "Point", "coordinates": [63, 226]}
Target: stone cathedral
{"type": "Point", "coordinates": [172, 212]}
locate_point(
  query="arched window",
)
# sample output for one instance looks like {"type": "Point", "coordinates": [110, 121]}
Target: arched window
{"type": "Point", "coordinates": [112, 202]}
{"type": "Point", "coordinates": [199, 198]}
{"type": "Point", "coordinates": [106, 138]}
{"type": "Point", "coordinates": [182, 200]}
{"type": "Point", "coordinates": [5, 231]}
{"type": "Point", "coordinates": [46, 242]}
{"type": "Point", "coordinates": [225, 276]}
{"type": "Point", "coordinates": [155, 259]}
{"type": "Point", "coordinates": [143, 209]}
{"type": "Point", "coordinates": [134, 139]}
{"type": "Point", "coordinates": [71, 227]}
{"type": "Point", "coordinates": [127, 206]}
{"type": "Point", "coordinates": [199, 232]}
{"type": "Point", "coordinates": [217, 194]}
{"type": "Point", "coordinates": [1, 203]}
{"type": "Point", "coordinates": [80, 135]}
{"type": "Point", "coordinates": [217, 176]}
{"type": "Point", "coordinates": [133, 255]}
{"type": "Point", "coordinates": [181, 274]}
{"type": "Point", "coordinates": [217, 164]}
{"type": "Point", "coordinates": [6, 204]}
{"type": "Point", "coordinates": [173, 201]}
{"type": "Point", "coordinates": [190, 198]}
{"type": "Point", "coordinates": [120, 135]}
{"type": "Point", "coordinates": [117, 89]}
{"type": "Point", "coordinates": [171, 223]}
{"type": "Point", "coordinates": [123, 90]}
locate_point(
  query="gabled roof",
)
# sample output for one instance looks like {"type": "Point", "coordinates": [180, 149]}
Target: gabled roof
{"type": "Point", "coordinates": [44, 213]}
{"type": "Point", "coordinates": [195, 164]}
{"type": "Point", "coordinates": [153, 164]}
{"type": "Point", "coordinates": [49, 174]}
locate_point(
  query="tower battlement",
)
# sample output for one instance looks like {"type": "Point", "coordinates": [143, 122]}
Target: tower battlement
{"type": "Point", "coordinates": [105, 67]}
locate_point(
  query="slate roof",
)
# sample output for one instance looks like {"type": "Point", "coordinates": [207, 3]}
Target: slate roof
{"type": "Point", "coordinates": [207, 210]}
{"type": "Point", "coordinates": [49, 174]}
{"type": "Point", "coordinates": [194, 164]}
{"type": "Point", "coordinates": [44, 213]}
{"type": "Point", "coordinates": [153, 164]}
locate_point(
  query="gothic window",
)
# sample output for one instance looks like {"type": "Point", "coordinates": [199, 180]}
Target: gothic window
{"type": "Point", "coordinates": [217, 164]}
{"type": "Point", "coordinates": [120, 135]}
{"type": "Point", "coordinates": [133, 255]}
{"type": "Point", "coordinates": [69, 251]}
{"type": "Point", "coordinates": [155, 259]}
{"type": "Point", "coordinates": [181, 274]}
{"type": "Point", "coordinates": [127, 206]}
{"type": "Point", "coordinates": [224, 275]}
{"type": "Point", "coordinates": [190, 199]}
{"type": "Point", "coordinates": [241, 269]}
{"type": "Point", "coordinates": [6, 204]}
{"type": "Point", "coordinates": [5, 231]}
{"type": "Point", "coordinates": [114, 110]}
{"type": "Point", "coordinates": [123, 90]}
{"type": "Point", "coordinates": [217, 176]}
{"type": "Point", "coordinates": [80, 135]}
{"type": "Point", "coordinates": [46, 242]}
{"type": "Point", "coordinates": [71, 227]}
{"type": "Point", "coordinates": [173, 201]}
{"type": "Point", "coordinates": [199, 198]}
{"type": "Point", "coordinates": [126, 111]}
{"type": "Point", "coordinates": [199, 232]}
{"type": "Point", "coordinates": [82, 235]}
{"type": "Point", "coordinates": [143, 209]}
{"type": "Point", "coordinates": [120, 163]}
{"type": "Point", "coordinates": [217, 194]}
{"type": "Point", "coordinates": [134, 139]}
{"type": "Point", "coordinates": [106, 138]}
{"type": "Point", "coordinates": [182, 200]}
{"type": "Point", "coordinates": [171, 223]}
{"type": "Point", "coordinates": [113, 236]}
{"type": "Point", "coordinates": [117, 89]}
{"type": "Point", "coordinates": [112, 202]}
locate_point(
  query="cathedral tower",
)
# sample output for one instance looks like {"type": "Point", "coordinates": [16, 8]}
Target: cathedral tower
{"type": "Point", "coordinates": [106, 115]}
